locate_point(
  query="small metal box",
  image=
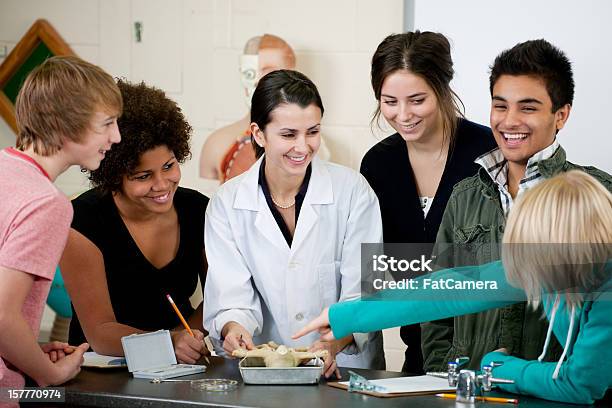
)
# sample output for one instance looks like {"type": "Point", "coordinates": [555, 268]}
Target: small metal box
{"type": "Point", "coordinates": [307, 374]}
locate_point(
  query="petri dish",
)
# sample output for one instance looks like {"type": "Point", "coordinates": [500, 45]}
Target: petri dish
{"type": "Point", "coordinates": [214, 384]}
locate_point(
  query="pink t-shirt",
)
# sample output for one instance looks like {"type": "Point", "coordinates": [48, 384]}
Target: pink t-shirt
{"type": "Point", "coordinates": [34, 223]}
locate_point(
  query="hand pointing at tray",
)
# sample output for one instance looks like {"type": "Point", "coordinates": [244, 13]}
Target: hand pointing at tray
{"type": "Point", "coordinates": [319, 324]}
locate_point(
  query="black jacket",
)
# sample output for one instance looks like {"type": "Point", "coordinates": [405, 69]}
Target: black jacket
{"type": "Point", "coordinates": [387, 168]}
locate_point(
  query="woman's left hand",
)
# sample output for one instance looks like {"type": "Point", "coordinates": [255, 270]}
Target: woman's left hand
{"type": "Point", "coordinates": [333, 348]}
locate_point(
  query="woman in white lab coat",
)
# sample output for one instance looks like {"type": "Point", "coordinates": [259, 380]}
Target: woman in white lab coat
{"type": "Point", "coordinates": [283, 239]}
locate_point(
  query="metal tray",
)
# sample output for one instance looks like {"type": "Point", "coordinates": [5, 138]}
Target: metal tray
{"type": "Point", "coordinates": [308, 374]}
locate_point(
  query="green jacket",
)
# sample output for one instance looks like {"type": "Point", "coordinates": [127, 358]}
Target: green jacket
{"type": "Point", "coordinates": [474, 216]}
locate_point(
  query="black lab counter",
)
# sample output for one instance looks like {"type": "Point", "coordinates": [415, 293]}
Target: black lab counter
{"type": "Point", "coordinates": [116, 388]}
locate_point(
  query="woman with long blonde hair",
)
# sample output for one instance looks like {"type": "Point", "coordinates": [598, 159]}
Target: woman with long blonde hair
{"type": "Point", "coordinates": [557, 250]}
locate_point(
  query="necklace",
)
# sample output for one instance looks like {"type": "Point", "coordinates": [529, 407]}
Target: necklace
{"type": "Point", "coordinates": [284, 207]}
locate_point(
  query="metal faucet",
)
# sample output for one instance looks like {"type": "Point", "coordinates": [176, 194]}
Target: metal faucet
{"type": "Point", "coordinates": [453, 369]}
{"type": "Point", "coordinates": [470, 383]}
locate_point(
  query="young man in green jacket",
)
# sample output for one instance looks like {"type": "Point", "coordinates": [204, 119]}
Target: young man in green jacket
{"type": "Point", "coordinates": [532, 89]}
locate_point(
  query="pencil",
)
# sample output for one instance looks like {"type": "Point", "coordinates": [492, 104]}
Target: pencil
{"type": "Point", "coordinates": [180, 315]}
{"type": "Point", "coordinates": [498, 399]}
{"type": "Point", "coordinates": [484, 399]}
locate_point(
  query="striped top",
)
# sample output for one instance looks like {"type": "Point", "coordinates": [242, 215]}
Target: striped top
{"type": "Point", "coordinates": [496, 167]}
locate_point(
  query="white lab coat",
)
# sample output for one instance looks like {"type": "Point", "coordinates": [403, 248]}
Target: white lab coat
{"type": "Point", "coordinates": [255, 278]}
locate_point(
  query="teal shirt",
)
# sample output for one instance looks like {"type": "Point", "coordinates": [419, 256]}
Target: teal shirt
{"type": "Point", "coordinates": [585, 374]}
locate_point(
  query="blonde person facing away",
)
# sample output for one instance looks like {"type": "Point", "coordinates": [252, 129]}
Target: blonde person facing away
{"type": "Point", "coordinates": [557, 251]}
{"type": "Point", "coordinates": [66, 115]}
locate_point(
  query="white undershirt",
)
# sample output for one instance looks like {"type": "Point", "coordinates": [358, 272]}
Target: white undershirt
{"type": "Point", "coordinates": [425, 204]}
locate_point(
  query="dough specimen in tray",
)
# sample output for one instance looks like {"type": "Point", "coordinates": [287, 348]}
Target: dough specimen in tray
{"type": "Point", "coordinates": [273, 355]}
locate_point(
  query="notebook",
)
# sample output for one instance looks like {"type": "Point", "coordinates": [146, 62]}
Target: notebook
{"type": "Point", "coordinates": [93, 359]}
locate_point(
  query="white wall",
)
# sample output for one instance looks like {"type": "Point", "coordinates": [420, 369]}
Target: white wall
{"type": "Point", "coordinates": [190, 48]}
{"type": "Point", "coordinates": [481, 29]}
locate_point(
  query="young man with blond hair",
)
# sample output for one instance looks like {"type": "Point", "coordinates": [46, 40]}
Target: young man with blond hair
{"type": "Point", "coordinates": [66, 114]}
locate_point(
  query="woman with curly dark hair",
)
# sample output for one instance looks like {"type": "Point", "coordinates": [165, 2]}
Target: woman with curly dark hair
{"type": "Point", "coordinates": [137, 236]}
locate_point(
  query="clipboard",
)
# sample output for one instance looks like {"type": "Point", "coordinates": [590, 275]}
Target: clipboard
{"type": "Point", "coordinates": [433, 389]}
